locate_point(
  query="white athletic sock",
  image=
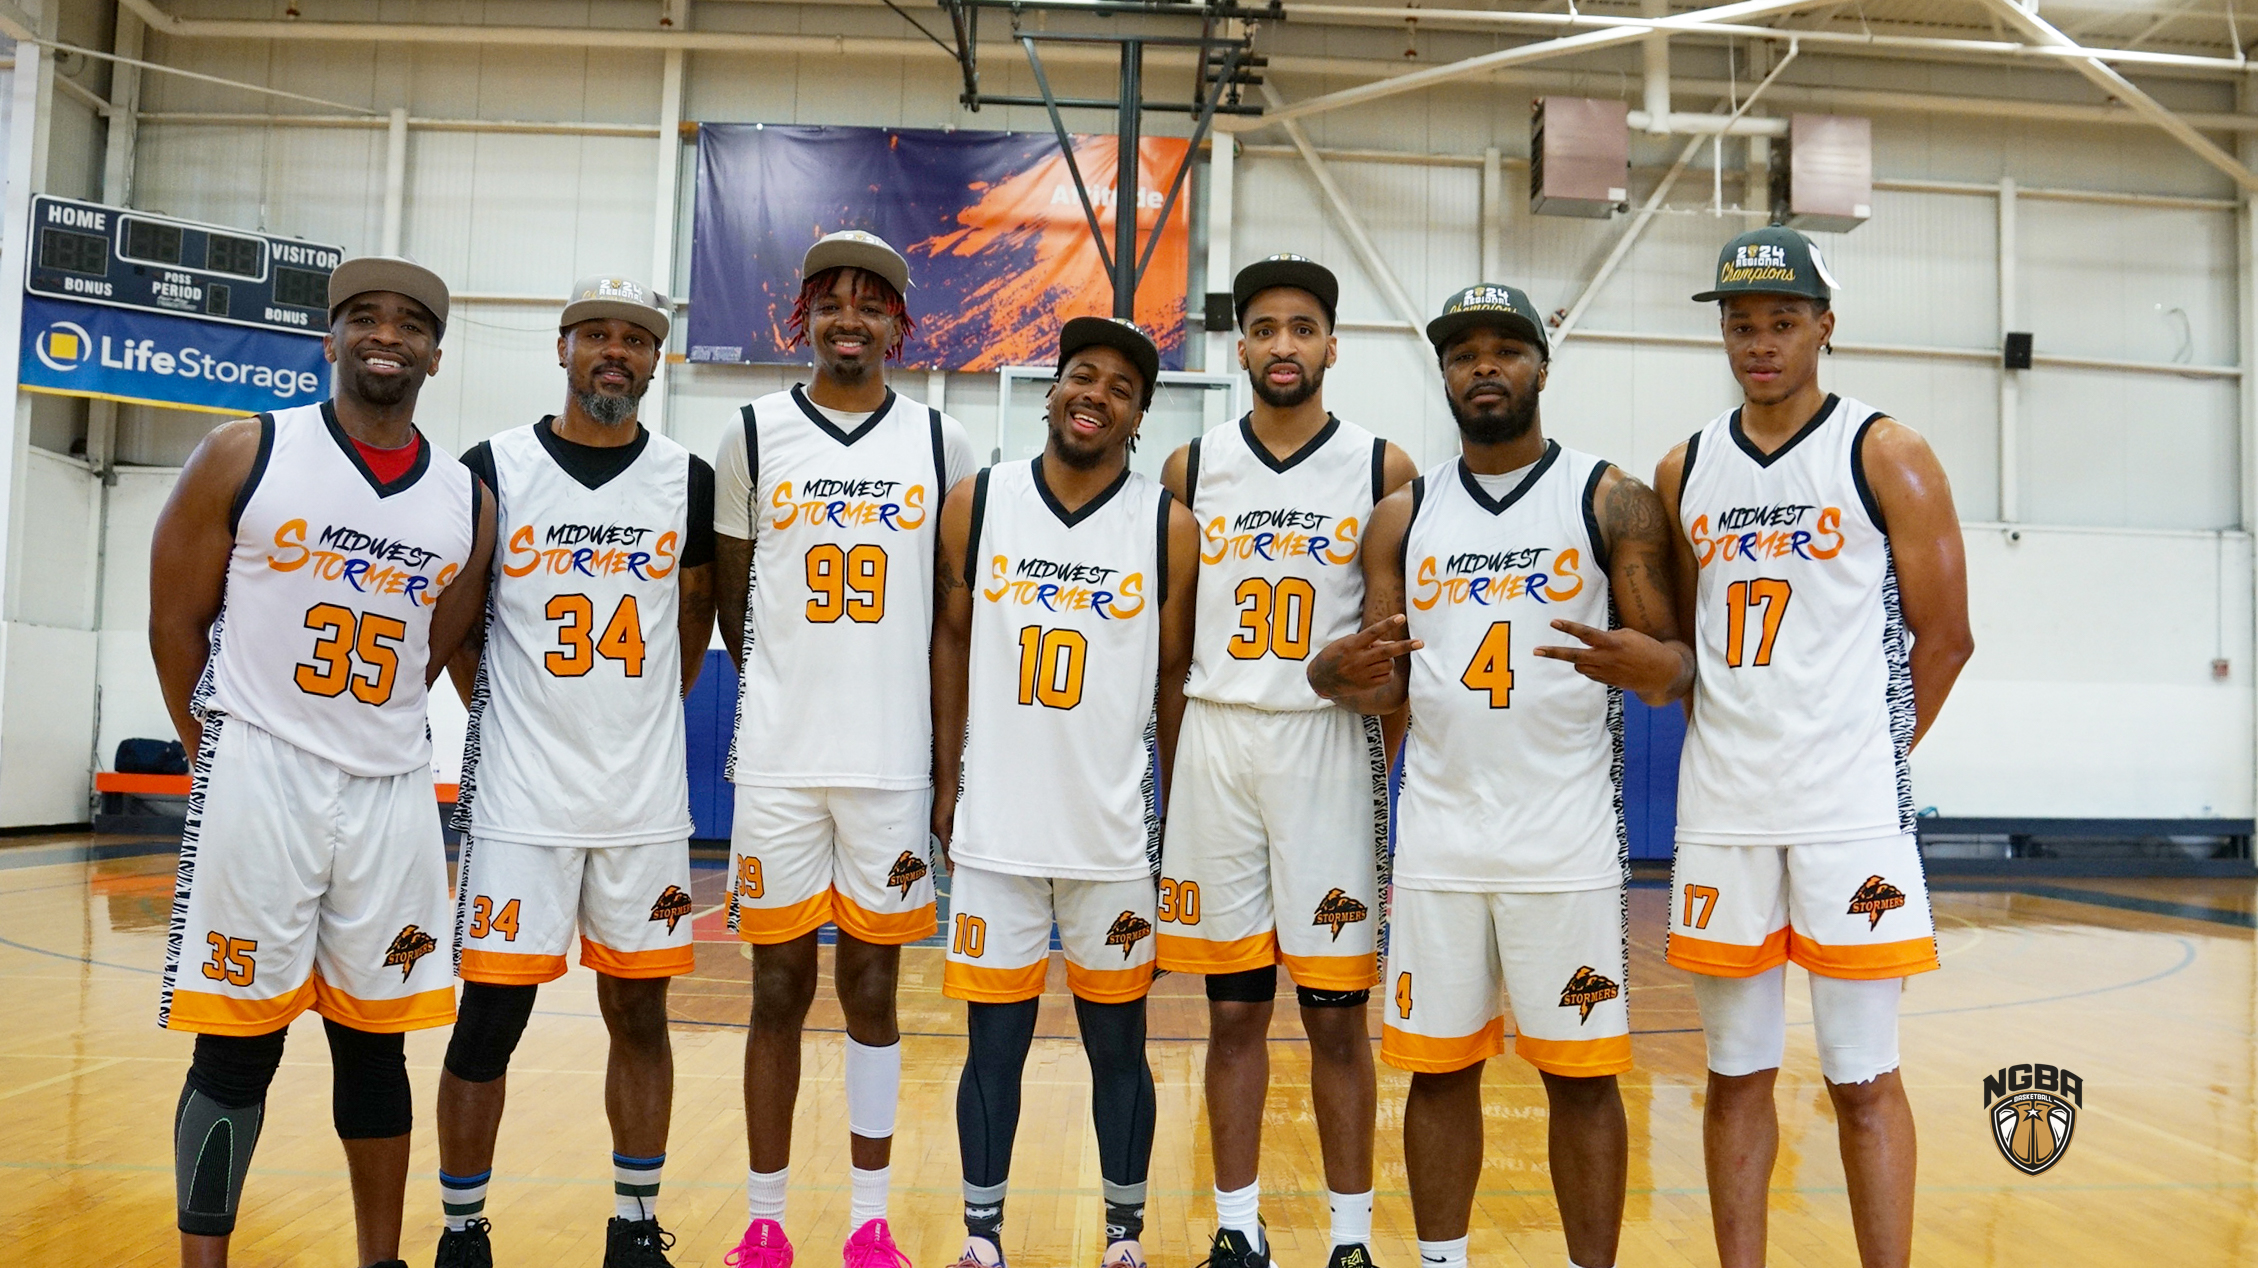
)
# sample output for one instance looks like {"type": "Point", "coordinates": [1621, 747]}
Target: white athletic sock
{"type": "Point", "coordinates": [463, 1198]}
{"type": "Point", "coordinates": [1450, 1254]}
{"type": "Point", "coordinates": [635, 1186]}
{"type": "Point", "coordinates": [867, 1201]}
{"type": "Point", "coordinates": [1240, 1210]}
{"type": "Point", "coordinates": [764, 1194]}
{"type": "Point", "coordinates": [1352, 1217]}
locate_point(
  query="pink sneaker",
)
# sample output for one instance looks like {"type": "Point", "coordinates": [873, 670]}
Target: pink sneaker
{"type": "Point", "coordinates": [764, 1245]}
{"type": "Point", "coordinates": [873, 1246]}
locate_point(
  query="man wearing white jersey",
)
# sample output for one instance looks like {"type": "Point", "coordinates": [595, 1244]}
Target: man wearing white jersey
{"type": "Point", "coordinates": [1066, 587]}
{"type": "Point", "coordinates": [1821, 570]}
{"type": "Point", "coordinates": [1278, 829]}
{"type": "Point", "coordinates": [311, 573]}
{"type": "Point", "coordinates": [575, 798]}
{"type": "Point", "coordinates": [1511, 854]}
{"type": "Point", "coordinates": [825, 517]}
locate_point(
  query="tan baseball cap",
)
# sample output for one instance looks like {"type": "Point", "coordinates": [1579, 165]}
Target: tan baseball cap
{"type": "Point", "coordinates": [854, 249]}
{"type": "Point", "coordinates": [398, 274]}
{"type": "Point", "coordinates": [593, 298]}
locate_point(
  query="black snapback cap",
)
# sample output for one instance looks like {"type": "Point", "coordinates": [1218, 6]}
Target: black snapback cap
{"type": "Point", "coordinates": [1297, 271]}
{"type": "Point", "coordinates": [1121, 336]}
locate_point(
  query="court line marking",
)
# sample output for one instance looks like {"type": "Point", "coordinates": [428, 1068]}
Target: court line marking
{"type": "Point", "coordinates": [2121, 902]}
{"type": "Point", "coordinates": [65, 1077]}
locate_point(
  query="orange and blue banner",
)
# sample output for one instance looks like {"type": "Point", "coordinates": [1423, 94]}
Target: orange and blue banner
{"type": "Point", "coordinates": [120, 354]}
{"type": "Point", "coordinates": [999, 250]}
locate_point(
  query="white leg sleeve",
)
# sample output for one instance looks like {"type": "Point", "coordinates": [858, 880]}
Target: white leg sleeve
{"type": "Point", "coordinates": [1745, 1020]}
{"type": "Point", "coordinates": [1857, 1025]}
{"type": "Point", "coordinates": [874, 1087]}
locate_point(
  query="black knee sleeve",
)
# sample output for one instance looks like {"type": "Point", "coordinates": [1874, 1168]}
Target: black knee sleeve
{"type": "Point", "coordinates": [216, 1126]}
{"type": "Point", "coordinates": [997, 1037]}
{"type": "Point", "coordinates": [368, 1083]}
{"type": "Point", "coordinates": [488, 1025]}
{"type": "Point", "coordinates": [1331, 999]}
{"type": "Point", "coordinates": [1121, 1088]}
{"type": "Point", "coordinates": [1247, 986]}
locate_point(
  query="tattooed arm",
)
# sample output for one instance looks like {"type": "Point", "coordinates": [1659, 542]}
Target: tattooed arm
{"type": "Point", "coordinates": [1647, 655]}
{"type": "Point", "coordinates": [952, 657]}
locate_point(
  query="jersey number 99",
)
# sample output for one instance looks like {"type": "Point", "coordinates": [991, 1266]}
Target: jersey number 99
{"type": "Point", "coordinates": [848, 583]}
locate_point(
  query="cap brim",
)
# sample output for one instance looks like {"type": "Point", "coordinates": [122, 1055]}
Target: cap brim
{"type": "Point", "coordinates": [1091, 332]}
{"type": "Point", "coordinates": [652, 319]}
{"type": "Point", "coordinates": [870, 257]}
{"type": "Point", "coordinates": [1301, 275]}
{"type": "Point", "coordinates": [388, 273]}
{"type": "Point", "coordinates": [1450, 326]}
{"type": "Point", "coordinates": [1710, 297]}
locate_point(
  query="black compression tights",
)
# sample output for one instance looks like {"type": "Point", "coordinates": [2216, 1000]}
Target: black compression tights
{"type": "Point", "coordinates": [1121, 1092]}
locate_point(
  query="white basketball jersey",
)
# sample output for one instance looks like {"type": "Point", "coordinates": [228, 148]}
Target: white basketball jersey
{"type": "Point", "coordinates": [1279, 575]}
{"type": "Point", "coordinates": [1513, 764]}
{"type": "Point", "coordinates": [1803, 703]}
{"type": "Point", "coordinates": [575, 733]}
{"type": "Point", "coordinates": [325, 631]}
{"type": "Point", "coordinates": [1065, 671]}
{"type": "Point", "coordinates": [839, 620]}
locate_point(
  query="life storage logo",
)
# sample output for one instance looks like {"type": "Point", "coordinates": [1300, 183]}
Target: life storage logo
{"type": "Point", "coordinates": [66, 346]}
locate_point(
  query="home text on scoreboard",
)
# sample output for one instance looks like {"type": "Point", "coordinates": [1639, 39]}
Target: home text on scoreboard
{"type": "Point", "coordinates": [125, 258]}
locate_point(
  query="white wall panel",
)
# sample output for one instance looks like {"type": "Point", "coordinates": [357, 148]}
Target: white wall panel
{"type": "Point", "coordinates": [2058, 714]}
{"type": "Point", "coordinates": [2137, 450]}
{"type": "Point", "coordinates": [47, 695]}
{"type": "Point", "coordinates": [55, 541]}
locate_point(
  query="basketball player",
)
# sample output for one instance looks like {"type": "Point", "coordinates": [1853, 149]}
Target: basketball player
{"type": "Point", "coordinates": [1066, 586]}
{"type": "Point", "coordinates": [1817, 540]}
{"type": "Point", "coordinates": [1279, 825]}
{"type": "Point", "coordinates": [825, 514]}
{"type": "Point", "coordinates": [1511, 853]}
{"type": "Point", "coordinates": [346, 557]}
{"type": "Point", "coordinates": [575, 802]}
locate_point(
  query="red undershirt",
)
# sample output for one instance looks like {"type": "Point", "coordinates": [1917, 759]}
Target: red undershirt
{"type": "Point", "coordinates": [388, 465]}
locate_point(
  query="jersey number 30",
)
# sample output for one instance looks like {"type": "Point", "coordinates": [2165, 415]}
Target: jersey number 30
{"type": "Point", "coordinates": [1275, 619]}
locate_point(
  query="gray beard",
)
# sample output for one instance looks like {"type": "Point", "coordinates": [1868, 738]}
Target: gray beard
{"type": "Point", "coordinates": [607, 409]}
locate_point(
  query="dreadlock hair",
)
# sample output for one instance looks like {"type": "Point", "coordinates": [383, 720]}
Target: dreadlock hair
{"type": "Point", "coordinates": [821, 284]}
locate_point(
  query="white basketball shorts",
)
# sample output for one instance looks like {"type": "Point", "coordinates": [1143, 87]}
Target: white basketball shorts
{"type": "Point", "coordinates": [303, 887]}
{"type": "Point", "coordinates": [801, 858]}
{"type": "Point", "coordinates": [1850, 909]}
{"type": "Point", "coordinates": [1000, 936]}
{"type": "Point", "coordinates": [518, 905]}
{"type": "Point", "coordinates": [1452, 955]}
{"type": "Point", "coordinates": [1277, 830]}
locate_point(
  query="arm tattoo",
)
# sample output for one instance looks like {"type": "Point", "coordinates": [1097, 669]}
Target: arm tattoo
{"type": "Point", "coordinates": [944, 578]}
{"type": "Point", "coordinates": [1633, 514]}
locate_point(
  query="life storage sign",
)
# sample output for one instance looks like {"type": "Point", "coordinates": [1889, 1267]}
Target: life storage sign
{"type": "Point", "coordinates": [118, 354]}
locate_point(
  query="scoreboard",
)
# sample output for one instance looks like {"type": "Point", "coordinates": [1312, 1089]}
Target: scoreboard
{"type": "Point", "coordinates": [122, 258]}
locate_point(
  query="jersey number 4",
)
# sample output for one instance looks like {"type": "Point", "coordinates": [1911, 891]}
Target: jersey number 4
{"type": "Point", "coordinates": [1491, 669]}
{"type": "Point", "coordinates": [622, 639]}
{"type": "Point", "coordinates": [1772, 594]}
{"type": "Point", "coordinates": [346, 634]}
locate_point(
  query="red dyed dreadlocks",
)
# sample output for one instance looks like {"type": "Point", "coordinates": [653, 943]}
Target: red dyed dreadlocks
{"type": "Point", "coordinates": [821, 284]}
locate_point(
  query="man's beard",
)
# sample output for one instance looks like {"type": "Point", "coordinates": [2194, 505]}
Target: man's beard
{"type": "Point", "coordinates": [1312, 379]}
{"type": "Point", "coordinates": [1504, 426]}
{"type": "Point", "coordinates": [606, 408]}
{"type": "Point", "coordinates": [384, 390]}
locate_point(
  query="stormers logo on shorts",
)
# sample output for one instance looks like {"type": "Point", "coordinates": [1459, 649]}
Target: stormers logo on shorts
{"type": "Point", "coordinates": [671, 907]}
{"type": "Point", "coordinates": [908, 870]}
{"type": "Point", "coordinates": [2031, 1113]}
{"type": "Point", "coordinates": [1336, 908]}
{"type": "Point", "coordinates": [1587, 987]}
{"type": "Point", "coordinates": [409, 946]}
{"type": "Point", "coordinates": [1128, 929]}
{"type": "Point", "coordinates": [1875, 897]}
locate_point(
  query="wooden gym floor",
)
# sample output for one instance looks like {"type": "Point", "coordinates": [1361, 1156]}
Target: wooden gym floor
{"type": "Point", "coordinates": [2146, 988]}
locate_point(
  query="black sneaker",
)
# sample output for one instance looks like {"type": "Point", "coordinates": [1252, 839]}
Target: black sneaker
{"type": "Point", "coordinates": [636, 1244]}
{"type": "Point", "coordinates": [1353, 1255]}
{"type": "Point", "coordinates": [467, 1249]}
{"type": "Point", "coordinates": [1230, 1250]}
